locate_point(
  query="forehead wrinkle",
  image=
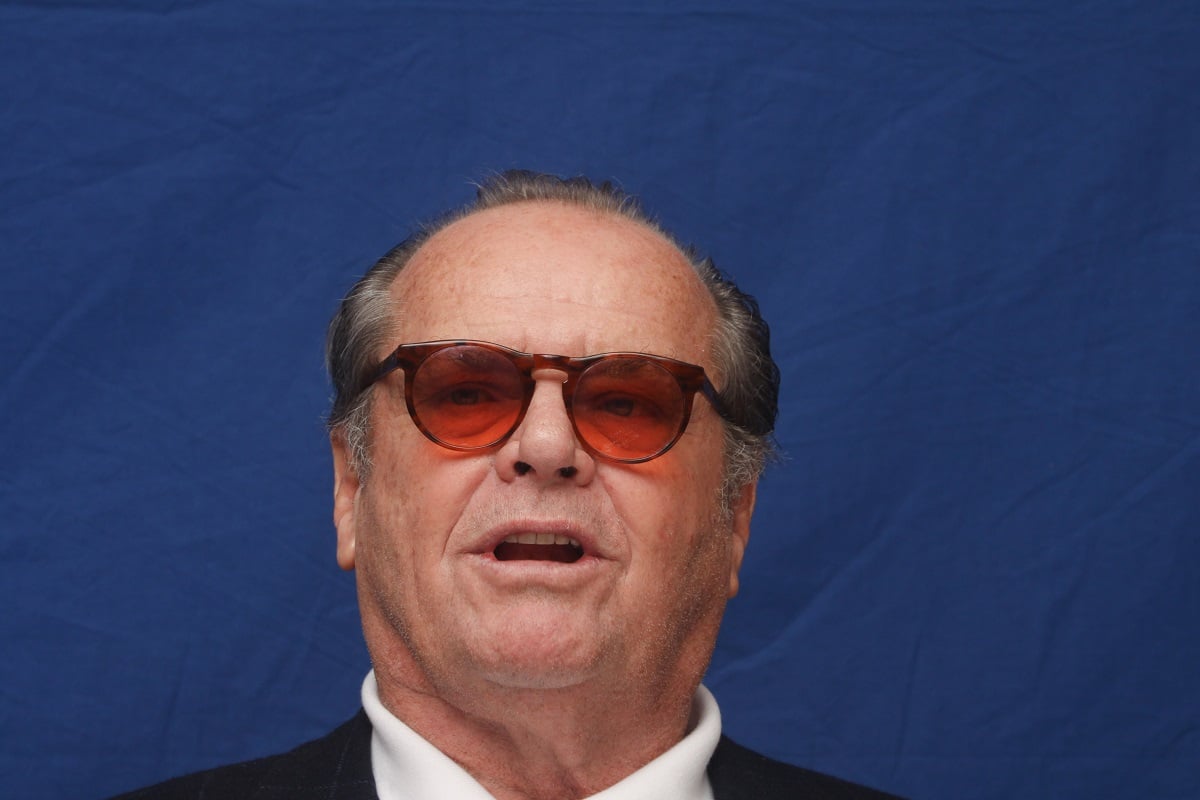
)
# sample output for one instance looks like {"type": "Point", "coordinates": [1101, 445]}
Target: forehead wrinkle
{"type": "Point", "coordinates": [460, 263]}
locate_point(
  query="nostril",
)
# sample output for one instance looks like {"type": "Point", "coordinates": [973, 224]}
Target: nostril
{"type": "Point", "coordinates": [524, 468]}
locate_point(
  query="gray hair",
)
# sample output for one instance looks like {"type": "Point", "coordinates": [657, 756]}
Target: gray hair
{"type": "Point", "coordinates": [741, 340]}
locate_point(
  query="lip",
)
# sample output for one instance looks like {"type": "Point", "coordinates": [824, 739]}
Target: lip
{"type": "Point", "coordinates": [521, 575]}
{"type": "Point", "coordinates": [487, 544]}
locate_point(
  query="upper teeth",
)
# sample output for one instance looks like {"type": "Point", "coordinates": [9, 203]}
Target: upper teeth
{"type": "Point", "coordinates": [540, 538]}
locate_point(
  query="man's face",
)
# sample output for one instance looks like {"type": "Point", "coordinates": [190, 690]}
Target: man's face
{"type": "Point", "coordinates": [641, 607]}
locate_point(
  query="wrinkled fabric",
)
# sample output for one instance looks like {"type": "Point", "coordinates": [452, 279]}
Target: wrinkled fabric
{"type": "Point", "coordinates": [973, 227]}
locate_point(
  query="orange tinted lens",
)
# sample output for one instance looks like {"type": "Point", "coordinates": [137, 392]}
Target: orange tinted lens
{"type": "Point", "coordinates": [467, 396]}
{"type": "Point", "coordinates": [628, 407]}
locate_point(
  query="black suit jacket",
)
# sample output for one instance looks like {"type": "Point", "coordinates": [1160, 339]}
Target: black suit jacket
{"type": "Point", "coordinates": [338, 767]}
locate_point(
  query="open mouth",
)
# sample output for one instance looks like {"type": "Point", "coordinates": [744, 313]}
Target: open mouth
{"type": "Point", "coordinates": [539, 547]}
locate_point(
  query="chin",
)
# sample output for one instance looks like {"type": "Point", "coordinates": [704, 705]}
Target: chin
{"type": "Point", "coordinates": [537, 677]}
{"type": "Point", "coordinates": [540, 658]}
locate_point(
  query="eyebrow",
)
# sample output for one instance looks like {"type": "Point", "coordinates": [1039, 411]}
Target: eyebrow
{"type": "Point", "coordinates": [622, 367]}
{"type": "Point", "coordinates": [474, 356]}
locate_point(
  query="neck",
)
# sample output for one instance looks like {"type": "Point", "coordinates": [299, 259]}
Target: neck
{"type": "Point", "coordinates": [543, 743]}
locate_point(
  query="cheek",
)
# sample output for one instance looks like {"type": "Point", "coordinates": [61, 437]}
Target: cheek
{"type": "Point", "coordinates": [669, 514]}
{"type": "Point", "coordinates": [678, 530]}
{"type": "Point", "coordinates": [416, 492]}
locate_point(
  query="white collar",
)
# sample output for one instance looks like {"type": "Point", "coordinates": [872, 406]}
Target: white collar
{"type": "Point", "coordinates": [407, 767]}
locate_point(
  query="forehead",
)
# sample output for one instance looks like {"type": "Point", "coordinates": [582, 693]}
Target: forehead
{"type": "Point", "coordinates": [554, 278]}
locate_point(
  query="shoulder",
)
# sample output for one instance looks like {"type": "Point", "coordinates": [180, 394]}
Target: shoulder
{"type": "Point", "coordinates": [738, 773]}
{"type": "Point", "coordinates": [337, 765]}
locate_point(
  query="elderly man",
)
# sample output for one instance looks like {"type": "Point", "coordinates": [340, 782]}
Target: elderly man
{"type": "Point", "coordinates": [548, 428]}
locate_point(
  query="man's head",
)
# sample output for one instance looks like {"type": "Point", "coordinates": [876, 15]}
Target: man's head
{"type": "Point", "coordinates": [538, 562]}
{"type": "Point", "coordinates": [740, 339]}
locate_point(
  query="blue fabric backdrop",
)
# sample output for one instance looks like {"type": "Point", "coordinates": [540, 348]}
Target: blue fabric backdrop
{"type": "Point", "coordinates": [974, 227]}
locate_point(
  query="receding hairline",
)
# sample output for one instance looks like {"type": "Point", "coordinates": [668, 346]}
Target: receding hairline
{"type": "Point", "coordinates": [427, 256]}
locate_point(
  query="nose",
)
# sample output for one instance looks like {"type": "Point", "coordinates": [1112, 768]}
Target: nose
{"type": "Point", "coordinates": [543, 448]}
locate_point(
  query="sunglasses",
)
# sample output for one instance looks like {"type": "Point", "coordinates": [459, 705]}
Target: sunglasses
{"type": "Point", "coordinates": [626, 407]}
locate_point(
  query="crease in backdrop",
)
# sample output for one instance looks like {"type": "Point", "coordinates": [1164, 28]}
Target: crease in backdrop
{"type": "Point", "coordinates": [973, 227]}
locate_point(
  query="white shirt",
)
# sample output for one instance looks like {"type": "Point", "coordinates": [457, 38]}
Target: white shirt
{"type": "Point", "coordinates": [407, 767]}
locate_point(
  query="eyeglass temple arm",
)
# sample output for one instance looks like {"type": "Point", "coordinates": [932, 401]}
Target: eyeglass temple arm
{"type": "Point", "coordinates": [717, 402]}
{"type": "Point", "coordinates": [389, 364]}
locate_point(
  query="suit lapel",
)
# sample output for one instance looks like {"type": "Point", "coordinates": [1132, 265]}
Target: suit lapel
{"type": "Point", "coordinates": [334, 767]}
